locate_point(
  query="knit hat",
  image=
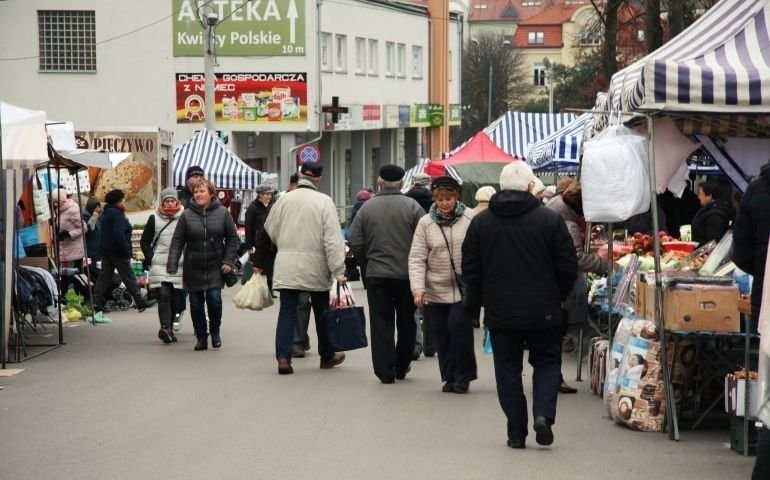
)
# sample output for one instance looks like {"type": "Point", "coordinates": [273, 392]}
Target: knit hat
{"type": "Point", "coordinates": [538, 187]}
{"type": "Point", "coordinates": [391, 173]}
{"type": "Point", "coordinates": [312, 169]}
{"type": "Point", "coordinates": [194, 170]}
{"type": "Point", "coordinates": [484, 194]}
{"type": "Point", "coordinates": [363, 196]}
{"type": "Point", "coordinates": [420, 179]}
{"type": "Point", "coordinates": [169, 193]}
{"type": "Point", "coordinates": [60, 196]}
{"type": "Point", "coordinates": [91, 204]}
{"type": "Point", "coordinates": [517, 175]}
{"type": "Point", "coordinates": [114, 197]}
{"type": "Point", "coordinates": [446, 182]}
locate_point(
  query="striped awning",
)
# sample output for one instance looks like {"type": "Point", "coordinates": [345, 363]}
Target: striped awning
{"type": "Point", "coordinates": [515, 131]}
{"type": "Point", "coordinates": [221, 165]}
{"type": "Point", "coordinates": [420, 168]}
{"type": "Point", "coordinates": [561, 149]}
{"type": "Point", "coordinates": [720, 64]}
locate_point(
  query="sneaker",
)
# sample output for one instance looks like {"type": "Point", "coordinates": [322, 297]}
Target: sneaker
{"type": "Point", "coordinates": [166, 335]}
{"type": "Point", "coordinates": [298, 352]}
{"type": "Point", "coordinates": [177, 325]}
{"type": "Point", "coordinates": [338, 358]}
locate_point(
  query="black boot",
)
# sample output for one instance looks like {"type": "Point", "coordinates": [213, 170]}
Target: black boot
{"type": "Point", "coordinates": [203, 344]}
{"type": "Point", "coordinates": [216, 340]}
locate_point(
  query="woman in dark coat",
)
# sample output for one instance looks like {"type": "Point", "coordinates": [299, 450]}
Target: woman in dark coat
{"type": "Point", "coordinates": [256, 215]}
{"type": "Point", "coordinates": [713, 219]}
{"type": "Point", "coordinates": [207, 236]}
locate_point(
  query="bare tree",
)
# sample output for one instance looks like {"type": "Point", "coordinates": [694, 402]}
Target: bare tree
{"type": "Point", "coordinates": [653, 27]}
{"type": "Point", "coordinates": [607, 11]}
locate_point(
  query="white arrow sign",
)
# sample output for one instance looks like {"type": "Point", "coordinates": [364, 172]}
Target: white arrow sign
{"type": "Point", "coordinates": [292, 15]}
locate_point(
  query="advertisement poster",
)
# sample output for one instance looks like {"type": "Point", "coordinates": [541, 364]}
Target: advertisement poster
{"type": "Point", "coordinates": [455, 115]}
{"type": "Point", "coordinates": [372, 116]}
{"type": "Point", "coordinates": [244, 28]}
{"type": "Point", "coordinates": [427, 115]}
{"type": "Point", "coordinates": [245, 98]}
{"type": "Point", "coordinates": [137, 175]}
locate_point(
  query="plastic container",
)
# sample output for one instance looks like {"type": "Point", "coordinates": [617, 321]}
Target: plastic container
{"type": "Point", "coordinates": [687, 247]}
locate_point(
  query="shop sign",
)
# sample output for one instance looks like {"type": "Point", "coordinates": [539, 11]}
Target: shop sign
{"type": "Point", "coordinates": [353, 120]}
{"type": "Point", "coordinates": [427, 115]}
{"type": "Point", "coordinates": [390, 116]}
{"type": "Point", "coordinates": [372, 116]}
{"type": "Point", "coordinates": [244, 98]}
{"type": "Point", "coordinates": [245, 28]}
{"type": "Point", "coordinates": [404, 116]}
{"type": "Point", "coordinates": [455, 115]}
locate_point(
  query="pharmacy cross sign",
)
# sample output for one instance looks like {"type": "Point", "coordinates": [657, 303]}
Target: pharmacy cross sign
{"type": "Point", "coordinates": [335, 109]}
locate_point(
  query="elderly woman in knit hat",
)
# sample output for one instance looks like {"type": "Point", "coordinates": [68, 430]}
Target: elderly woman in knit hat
{"type": "Point", "coordinates": [435, 260]}
{"type": "Point", "coordinates": [361, 197]}
{"type": "Point", "coordinates": [69, 225]}
{"type": "Point", "coordinates": [483, 196]}
{"type": "Point", "coordinates": [256, 216]}
{"type": "Point", "coordinates": [538, 189]}
{"type": "Point", "coordinates": [155, 243]}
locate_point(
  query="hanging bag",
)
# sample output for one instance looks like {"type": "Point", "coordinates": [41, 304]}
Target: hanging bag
{"type": "Point", "coordinates": [345, 322]}
{"type": "Point", "coordinates": [254, 295]}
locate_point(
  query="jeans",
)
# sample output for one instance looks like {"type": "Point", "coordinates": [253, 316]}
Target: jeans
{"type": "Point", "coordinates": [287, 319]}
{"type": "Point", "coordinates": [391, 307]}
{"type": "Point", "coordinates": [123, 265]}
{"type": "Point", "coordinates": [454, 332]}
{"type": "Point", "coordinates": [544, 352]}
{"type": "Point", "coordinates": [181, 301]}
{"type": "Point", "coordinates": [762, 464]}
{"type": "Point", "coordinates": [167, 304]}
{"type": "Point", "coordinates": [301, 338]}
{"type": "Point", "coordinates": [211, 300]}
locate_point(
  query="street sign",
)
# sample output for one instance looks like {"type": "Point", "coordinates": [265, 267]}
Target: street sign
{"type": "Point", "coordinates": [335, 109]}
{"type": "Point", "coordinates": [309, 154]}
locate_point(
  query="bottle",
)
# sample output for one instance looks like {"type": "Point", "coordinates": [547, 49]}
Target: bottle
{"type": "Point", "coordinates": [226, 108]}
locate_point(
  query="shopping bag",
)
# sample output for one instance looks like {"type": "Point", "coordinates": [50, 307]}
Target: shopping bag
{"type": "Point", "coordinates": [487, 343]}
{"type": "Point", "coordinates": [254, 295]}
{"type": "Point", "coordinates": [345, 326]}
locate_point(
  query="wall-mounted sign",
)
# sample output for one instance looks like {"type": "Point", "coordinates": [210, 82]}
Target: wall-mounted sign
{"type": "Point", "coordinates": [455, 115]}
{"type": "Point", "coordinates": [309, 154]}
{"type": "Point", "coordinates": [245, 28]}
{"type": "Point", "coordinates": [372, 116]}
{"type": "Point", "coordinates": [245, 98]}
{"type": "Point", "coordinates": [404, 116]}
{"type": "Point", "coordinates": [427, 115]}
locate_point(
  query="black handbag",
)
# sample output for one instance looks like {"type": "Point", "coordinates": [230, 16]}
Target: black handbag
{"type": "Point", "coordinates": [345, 327]}
{"type": "Point", "coordinates": [458, 277]}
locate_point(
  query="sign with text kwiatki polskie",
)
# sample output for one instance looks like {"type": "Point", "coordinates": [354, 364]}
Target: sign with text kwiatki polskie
{"type": "Point", "coordinates": [245, 28]}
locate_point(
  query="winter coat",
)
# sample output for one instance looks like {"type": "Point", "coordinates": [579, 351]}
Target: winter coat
{"type": "Point", "coordinates": [208, 240]}
{"type": "Point", "coordinates": [256, 215]}
{"type": "Point", "coordinates": [71, 247]}
{"type": "Point", "coordinates": [304, 226]}
{"type": "Point", "coordinates": [116, 233]}
{"type": "Point", "coordinates": [356, 208]}
{"type": "Point", "coordinates": [93, 234]}
{"type": "Point", "coordinates": [382, 234]}
{"type": "Point", "coordinates": [430, 268]}
{"type": "Point", "coordinates": [587, 262]}
{"type": "Point", "coordinates": [423, 196]}
{"type": "Point", "coordinates": [185, 195]}
{"type": "Point", "coordinates": [751, 232]}
{"type": "Point", "coordinates": [519, 262]}
{"type": "Point", "coordinates": [158, 232]}
{"type": "Point", "coordinates": [711, 222]}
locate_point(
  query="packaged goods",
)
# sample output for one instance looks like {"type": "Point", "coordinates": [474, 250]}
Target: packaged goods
{"type": "Point", "coordinates": [614, 360]}
{"type": "Point", "coordinates": [597, 361]}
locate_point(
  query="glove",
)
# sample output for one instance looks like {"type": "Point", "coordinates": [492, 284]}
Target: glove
{"type": "Point", "coordinates": [63, 235]}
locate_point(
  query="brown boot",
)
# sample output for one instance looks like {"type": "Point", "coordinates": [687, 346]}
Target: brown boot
{"type": "Point", "coordinates": [338, 358]}
{"type": "Point", "coordinates": [284, 367]}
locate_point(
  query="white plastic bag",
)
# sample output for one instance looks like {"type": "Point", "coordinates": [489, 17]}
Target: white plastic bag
{"type": "Point", "coordinates": [254, 295]}
{"type": "Point", "coordinates": [615, 176]}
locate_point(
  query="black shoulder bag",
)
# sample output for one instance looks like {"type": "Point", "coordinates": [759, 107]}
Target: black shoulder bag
{"type": "Point", "coordinates": [458, 277]}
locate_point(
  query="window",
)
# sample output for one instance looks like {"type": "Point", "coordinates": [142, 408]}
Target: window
{"type": "Point", "coordinates": [374, 57]}
{"type": "Point", "coordinates": [530, 4]}
{"type": "Point", "coordinates": [539, 75]}
{"type": "Point", "coordinates": [326, 52]}
{"type": "Point", "coordinates": [360, 56]}
{"type": "Point", "coordinates": [401, 49]}
{"type": "Point", "coordinates": [341, 64]}
{"type": "Point", "coordinates": [535, 38]}
{"type": "Point", "coordinates": [67, 40]}
{"type": "Point", "coordinates": [417, 64]}
{"type": "Point", "coordinates": [390, 59]}
{"type": "Point", "coordinates": [640, 35]}
{"type": "Point", "coordinates": [589, 38]}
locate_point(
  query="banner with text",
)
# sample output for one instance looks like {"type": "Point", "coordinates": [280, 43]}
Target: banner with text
{"type": "Point", "coordinates": [245, 98]}
{"type": "Point", "coordinates": [245, 28]}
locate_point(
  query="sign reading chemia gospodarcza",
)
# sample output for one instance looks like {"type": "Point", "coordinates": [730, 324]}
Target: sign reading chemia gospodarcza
{"type": "Point", "coordinates": [256, 27]}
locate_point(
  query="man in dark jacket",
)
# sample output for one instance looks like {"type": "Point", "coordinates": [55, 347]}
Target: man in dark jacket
{"type": "Point", "coordinates": [116, 251]}
{"type": "Point", "coordinates": [519, 262]}
{"type": "Point", "coordinates": [420, 191]}
{"type": "Point", "coordinates": [192, 175]}
{"type": "Point", "coordinates": [713, 219]}
{"type": "Point", "coordinates": [94, 234]}
{"type": "Point", "coordinates": [382, 235]}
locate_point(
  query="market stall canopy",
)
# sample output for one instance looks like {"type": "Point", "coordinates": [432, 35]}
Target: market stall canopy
{"type": "Point", "coordinates": [221, 165]}
{"type": "Point", "coordinates": [560, 150]}
{"type": "Point", "coordinates": [62, 136]}
{"type": "Point", "coordinates": [515, 131]}
{"type": "Point", "coordinates": [23, 137]}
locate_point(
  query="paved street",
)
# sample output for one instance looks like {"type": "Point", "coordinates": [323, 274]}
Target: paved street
{"type": "Point", "coordinates": [115, 403]}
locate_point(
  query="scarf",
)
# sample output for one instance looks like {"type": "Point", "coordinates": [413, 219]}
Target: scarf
{"type": "Point", "coordinates": [169, 212]}
{"type": "Point", "coordinates": [447, 219]}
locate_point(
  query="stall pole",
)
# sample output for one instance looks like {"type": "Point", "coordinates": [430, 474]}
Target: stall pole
{"type": "Point", "coordinates": [3, 228]}
{"type": "Point", "coordinates": [85, 249]}
{"type": "Point", "coordinates": [610, 256]}
{"type": "Point", "coordinates": [671, 420]}
{"type": "Point", "coordinates": [55, 236]}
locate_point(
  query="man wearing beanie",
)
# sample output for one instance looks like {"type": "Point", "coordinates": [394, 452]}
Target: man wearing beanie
{"type": "Point", "coordinates": [420, 190]}
{"type": "Point", "coordinates": [116, 251]}
{"type": "Point", "coordinates": [381, 234]}
{"type": "Point", "coordinates": [192, 175]}
{"type": "Point", "coordinates": [483, 196]}
{"type": "Point", "coordinates": [305, 228]}
{"type": "Point", "coordinates": [519, 264]}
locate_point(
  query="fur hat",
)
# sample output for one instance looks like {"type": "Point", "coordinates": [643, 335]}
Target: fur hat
{"type": "Point", "coordinates": [311, 169]}
{"type": "Point", "coordinates": [420, 179]}
{"type": "Point", "coordinates": [391, 173]}
{"type": "Point", "coordinates": [265, 188]}
{"type": "Point", "coordinates": [517, 175]}
{"type": "Point", "coordinates": [484, 194]}
{"type": "Point", "coordinates": [169, 193]}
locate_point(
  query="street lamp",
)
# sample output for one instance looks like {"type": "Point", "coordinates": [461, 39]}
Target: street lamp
{"type": "Point", "coordinates": [505, 43]}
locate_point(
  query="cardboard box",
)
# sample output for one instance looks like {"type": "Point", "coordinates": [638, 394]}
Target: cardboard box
{"type": "Point", "coordinates": [40, 262]}
{"type": "Point", "coordinates": [641, 299]}
{"type": "Point", "coordinates": [735, 396]}
{"type": "Point", "coordinates": [705, 308]}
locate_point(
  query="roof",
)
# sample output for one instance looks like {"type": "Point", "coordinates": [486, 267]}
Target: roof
{"type": "Point", "coordinates": [556, 15]}
{"type": "Point", "coordinates": [480, 149]}
{"type": "Point", "coordinates": [503, 10]}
